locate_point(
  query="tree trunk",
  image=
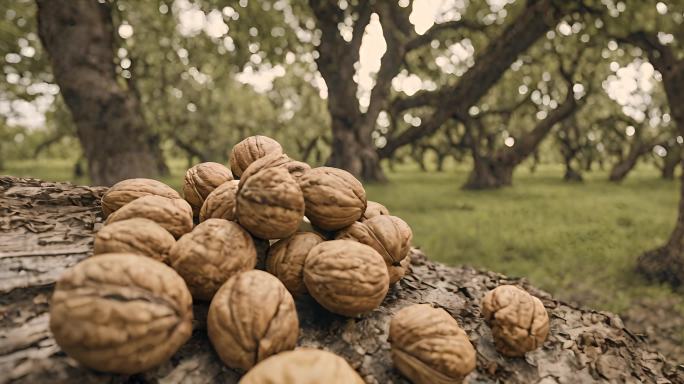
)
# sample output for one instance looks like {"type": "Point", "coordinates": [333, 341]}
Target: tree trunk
{"type": "Point", "coordinates": [79, 38]}
{"type": "Point", "coordinates": [352, 153]}
{"type": "Point", "coordinates": [571, 174]}
{"type": "Point", "coordinates": [488, 174]}
{"type": "Point", "coordinates": [671, 161]}
{"type": "Point", "coordinates": [48, 227]}
{"type": "Point", "coordinates": [623, 167]}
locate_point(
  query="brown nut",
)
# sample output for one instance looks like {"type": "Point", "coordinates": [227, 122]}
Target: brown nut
{"type": "Point", "coordinates": [270, 204]}
{"type": "Point", "coordinates": [201, 180]}
{"type": "Point", "coordinates": [220, 204]}
{"type": "Point", "coordinates": [174, 215]}
{"type": "Point", "coordinates": [518, 320]}
{"type": "Point", "coordinates": [250, 149]}
{"type": "Point", "coordinates": [286, 260]}
{"type": "Point", "coordinates": [334, 198]}
{"type": "Point", "coordinates": [275, 160]}
{"type": "Point", "coordinates": [138, 236]}
{"type": "Point", "coordinates": [389, 235]}
{"type": "Point", "coordinates": [428, 346]}
{"type": "Point", "coordinates": [126, 191]}
{"type": "Point", "coordinates": [121, 313]}
{"type": "Point", "coordinates": [251, 318]}
{"type": "Point", "coordinates": [209, 255]}
{"type": "Point", "coordinates": [397, 272]}
{"type": "Point", "coordinates": [303, 366]}
{"type": "Point", "coordinates": [374, 209]}
{"type": "Point", "coordinates": [346, 277]}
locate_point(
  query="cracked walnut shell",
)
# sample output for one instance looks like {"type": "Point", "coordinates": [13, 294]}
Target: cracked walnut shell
{"type": "Point", "coordinates": [303, 366]}
{"type": "Point", "coordinates": [201, 180]}
{"type": "Point", "coordinates": [220, 204]}
{"type": "Point", "coordinates": [389, 235]}
{"type": "Point", "coordinates": [250, 149]}
{"type": "Point", "coordinates": [126, 191]}
{"type": "Point", "coordinates": [374, 209]}
{"type": "Point", "coordinates": [270, 204]}
{"type": "Point", "coordinates": [428, 346]}
{"type": "Point", "coordinates": [334, 198]}
{"type": "Point", "coordinates": [275, 160]}
{"type": "Point", "coordinates": [518, 320]}
{"type": "Point", "coordinates": [346, 277]}
{"type": "Point", "coordinates": [286, 260]}
{"type": "Point", "coordinates": [252, 317]}
{"type": "Point", "coordinates": [174, 215]}
{"type": "Point", "coordinates": [138, 236]}
{"type": "Point", "coordinates": [209, 255]}
{"type": "Point", "coordinates": [121, 313]}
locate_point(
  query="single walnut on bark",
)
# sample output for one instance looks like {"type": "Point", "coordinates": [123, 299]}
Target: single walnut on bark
{"type": "Point", "coordinates": [374, 209]}
{"type": "Point", "coordinates": [389, 235]}
{"type": "Point", "coordinates": [428, 346]}
{"type": "Point", "coordinates": [518, 320]}
{"type": "Point", "coordinates": [303, 366]}
{"type": "Point", "coordinates": [346, 277]}
{"type": "Point", "coordinates": [286, 260]}
{"type": "Point", "coordinates": [201, 180]}
{"type": "Point", "coordinates": [334, 198]}
{"type": "Point", "coordinates": [397, 272]}
{"type": "Point", "coordinates": [270, 204]}
{"type": "Point", "coordinates": [251, 318]}
{"type": "Point", "coordinates": [121, 313]}
{"type": "Point", "coordinates": [220, 204]}
{"type": "Point", "coordinates": [138, 236]}
{"type": "Point", "coordinates": [174, 215]}
{"type": "Point", "coordinates": [250, 149]}
{"type": "Point", "coordinates": [126, 191]}
{"type": "Point", "coordinates": [275, 160]}
{"type": "Point", "coordinates": [209, 255]}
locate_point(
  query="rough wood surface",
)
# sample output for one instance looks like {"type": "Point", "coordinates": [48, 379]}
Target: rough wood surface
{"type": "Point", "coordinates": [48, 227]}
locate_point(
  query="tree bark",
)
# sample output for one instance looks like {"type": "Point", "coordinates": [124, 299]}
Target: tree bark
{"type": "Point", "coordinates": [671, 161]}
{"type": "Point", "coordinates": [79, 38]}
{"type": "Point", "coordinates": [623, 167]}
{"type": "Point", "coordinates": [46, 228]}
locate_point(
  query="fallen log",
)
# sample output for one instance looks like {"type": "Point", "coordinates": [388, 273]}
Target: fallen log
{"type": "Point", "coordinates": [46, 228]}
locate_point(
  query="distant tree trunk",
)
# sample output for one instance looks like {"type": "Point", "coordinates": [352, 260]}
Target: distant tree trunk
{"type": "Point", "coordinates": [671, 161]}
{"type": "Point", "coordinates": [535, 161]}
{"type": "Point", "coordinates": [571, 174]}
{"type": "Point", "coordinates": [79, 38]}
{"type": "Point", "coordinates": [488, 174]}
{"type": "Point", "coordinates": [623, 167]}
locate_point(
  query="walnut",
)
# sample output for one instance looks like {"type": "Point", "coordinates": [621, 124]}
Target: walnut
{"type": "Point", "coordinates": [334, 198]}
{"type": "Point", "coordinates": [201, 180]}
{"type": "Point", "coordinates": [303, 366]}
{"type": "Point", "coordinates": [209, 255]}
{"type": "Point", "coordinates": [121, 313]}
{"type": "Point", "coordinates": [252, 317]}
{"type": "Point", "coordinates": [346, 277]}
{"type": "Point", "coordinates": [274, 160]}
{"type": "Point", "coordinates": [174, 215]}
{"type": "Point", "coordinates": [429, 347]}
{"type": "Point", "coordinates": [138, 236]}
{"type": "Point", "coordinates": [518, 320]}
{"type": "Point", "coordinates": [270, 204]}
{"type": "Point", "coordinates": [373, 209]}
{"type": "Point", "coordinates": [397, 272]}
{"type": "Point", "coordinates": [220, 204]}
{"type": "Point", "coordinates": [286, 260]}
{"type": "Point", "coordinates": [250, 149]}
{"type": "Point", "coordinates": [389, 235]}
{"type": "Point", "coordinates": [126, 191]}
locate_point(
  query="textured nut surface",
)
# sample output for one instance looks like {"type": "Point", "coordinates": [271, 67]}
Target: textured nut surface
{"type": "Point", "coordinates": [251, 318]}
{"type": "Point", "coordinates": [220, 204]}
{"type": "Point", "coordinates": [121, 313]}
{"type": "Point", "coordinates": [346, 277]}
{"type": "Point", "coordinates": [270, 204]}
{"type": "Point", "coordinates": [286, 260]}
{"type": "Point", "coordinates": [428, 346]}
{"type": "Point", "coordinates": [397, 272]}
{"type": "Point", "coordinates": [275, 160]}
{"type": "Point", "coordinates": [303, 366]}
{"type": "Point", "coordinates": [201, 180]}
{"type": "Point", "coordinates": [389, 235]}
{"type": "Point", "coordinates": [174, 215]}
{"type": "Point", "coordinates": [209, 255]}
{"type": "Point", "coordinates": [250, 149]}
{"type": "Point", "coordinates": [334, 198]}
{"type": "Point", "coordinates": [138, 236]}
{"type": "Point", "coordinates": [374, 209]}
{"type": "Point", "coordinates": [126, 191]}
{"type": "Point", "coordinates": [518, 320]}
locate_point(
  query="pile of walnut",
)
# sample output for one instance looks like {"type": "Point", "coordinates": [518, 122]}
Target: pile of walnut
{"type": "Point", "coordinates": [129, 308]}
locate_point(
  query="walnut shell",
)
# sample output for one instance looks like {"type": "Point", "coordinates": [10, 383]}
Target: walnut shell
{"type": "Point", "coordinates": [250, 149]}
{"type": "Point", "coordinates": [397, 272]}
{"type": "Point", "coordinates": [126, 191]}
{"type": "Point", "coordinates": [374, 209]}
{"type": "Point", "coordinates": [174, 215]}
{"type": "Point", "coordinates": [201, 180]}
{"type": "Point", "coordinates": [303, 366]}
{"type": "Point", "coordinates": [138, 236]}
{"type": "Point", "coordinates": [251, 318]}
{"type": "Point", "coordinates": [334, 198]}
{"type": "Point", "coordinates": [428, 346]}
{"type": "Point", "coordinates": [518, 320]}
{"type": "Point", "coordinates": [286, 260]}
{"type": "Point", "coordinates": [209, 255]}
{"type": "Point", "coordinates": [270, 204]}
{"type": "Point", "coordinates": [220, 204]}
{"type": "Point", "coordinates": [274, 160]}
{"type": "Point", "coordinates": [389, 235]}
{"type": "Point", "coordinates": [346, 277]}
{"type": "Point", "coordinates": [121, 313]}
